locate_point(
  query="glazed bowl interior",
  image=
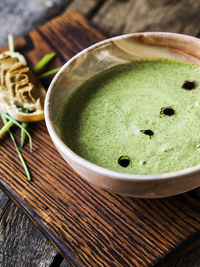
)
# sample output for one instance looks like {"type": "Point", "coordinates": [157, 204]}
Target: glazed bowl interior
{"type": "Point", "coordinates": [102, 56]}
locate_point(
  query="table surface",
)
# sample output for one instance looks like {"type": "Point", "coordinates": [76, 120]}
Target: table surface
{"type": "Point", "coordinates": [21, 244]}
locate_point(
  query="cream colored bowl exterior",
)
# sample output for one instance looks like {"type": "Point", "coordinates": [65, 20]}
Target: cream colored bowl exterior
{"type": "Point", "coordinates": [99, 57]}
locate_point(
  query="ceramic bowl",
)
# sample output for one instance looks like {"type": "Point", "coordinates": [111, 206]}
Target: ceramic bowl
{"type": "Point", "coordinates": [99, 57]}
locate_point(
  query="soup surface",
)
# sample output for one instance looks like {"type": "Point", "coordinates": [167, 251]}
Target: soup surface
{"type": "Point", "coordinates": [142, 117]}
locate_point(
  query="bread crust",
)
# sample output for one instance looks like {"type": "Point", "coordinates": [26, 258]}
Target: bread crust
{"type": "Point", "coordinates": [20, 89]}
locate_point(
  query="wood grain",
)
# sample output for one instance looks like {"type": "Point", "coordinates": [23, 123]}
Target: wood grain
{"type": "Point", "coordinates": [85, 7]}
{"type": "Point", "coordinates": [17, 249]}
{"type": "Point", "coordinates": [87, 225]}
{"type": "Point", "coordinates": [3, 202]}
{"type": "Point", "coordinates": [118, 17]}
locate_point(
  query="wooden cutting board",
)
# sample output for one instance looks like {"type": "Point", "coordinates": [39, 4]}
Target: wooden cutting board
{"type": "Point", "coordinates": [90, 226]}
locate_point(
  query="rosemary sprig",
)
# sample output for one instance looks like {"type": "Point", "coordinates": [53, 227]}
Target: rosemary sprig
{"type": "Point", "coordinates": [43, 62]}
{"type": "Point", "coordinates": [8, 117]}
{"type": "Point", "coordinates": [5, 121]}
{"type": "Point", "coordinates": [48, 73]}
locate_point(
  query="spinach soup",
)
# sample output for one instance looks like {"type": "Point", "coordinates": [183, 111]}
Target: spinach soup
{"type": "Point", "coordinates": [141, 117]}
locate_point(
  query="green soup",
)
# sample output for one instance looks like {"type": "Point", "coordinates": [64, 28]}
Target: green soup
{"type": "Point", "coordinates": [142, 117]}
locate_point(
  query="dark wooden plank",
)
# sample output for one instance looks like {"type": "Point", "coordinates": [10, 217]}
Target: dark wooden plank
{"type": "Point", "coordinates": [85, 7]}
{"type": "Point", "coordinates": [3, 202]}
{"type": "Point", "coordinates": [86, 224]}
{"type": "Point", "coordinates": [19, 249]}
{"type": "Point", "coordinates": [118, 17]}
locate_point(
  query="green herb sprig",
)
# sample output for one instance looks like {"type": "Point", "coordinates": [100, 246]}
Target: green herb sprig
{"type": "Point", "coordinates": [9, 118]}
{"type": "Point", "coordinates": [5, 121]}
{"type": "Point", "coordinates": [9, 121]}
{"type": "Point", "coordinates": [43, 62]}
{"type": "Point", "coordinates": [11, 43]}
{"type": "Point", "coordinates": [25, 125]}
{"type": "Point", "coordinates": [6, 127]}
{"type": "Point", "coordinates": [50, 72]}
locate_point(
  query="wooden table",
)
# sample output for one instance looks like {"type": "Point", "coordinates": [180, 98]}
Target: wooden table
{"type": "Point", "coordinates": [20, 242]}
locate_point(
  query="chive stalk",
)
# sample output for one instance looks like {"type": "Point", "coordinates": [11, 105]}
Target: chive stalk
{"type": "Point", "coordinates": [43, 62]}
{"type": "Point", "coordinates": [5, 121]}
{"type": "Point", "coordinates": [11, 43]}
{"type": "Point", "coordinates": [50, 72]}
{"type": "Point", "coordinates": [24, 125]}
{"type": "Point", "coordinates": [23, 133]}
{"type": "Point", "coordinates": [5, 128]}
{"type": "Point", "coordinates": [8, 117]}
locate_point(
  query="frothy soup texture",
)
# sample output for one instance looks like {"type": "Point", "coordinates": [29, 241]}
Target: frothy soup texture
{"type": "Point", "coordinates": [142, 117]}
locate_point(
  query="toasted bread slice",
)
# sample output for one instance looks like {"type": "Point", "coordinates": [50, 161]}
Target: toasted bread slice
{"type": "Point", "coordinates": [20, 89]}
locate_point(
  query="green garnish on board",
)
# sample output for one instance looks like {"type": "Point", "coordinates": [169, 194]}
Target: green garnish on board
{"type": "Point", "coordinates": [10, 121]}
{"type": "Point", "coordinates": [5, 121]}
{"type": "Point", "coordinates": [9, 118]}
{"type": "Point", "coordinates": [25, 125]}
{"type": "Point", "coordinates": [50, 72]}
{"type": "Point", "coordinates": [6, 127]}
{"type": "Point", "coordinates": [43, 62]}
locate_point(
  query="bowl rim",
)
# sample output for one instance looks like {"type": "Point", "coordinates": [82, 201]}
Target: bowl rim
{"type": "Point", "coordinates": [84, 162]}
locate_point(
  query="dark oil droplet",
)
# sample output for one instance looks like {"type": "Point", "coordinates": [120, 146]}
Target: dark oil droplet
{"type": "Point", "coordinates": [167, 111]}
{"type": "Point", "coordinates": [124, 161]}
{"type": "Point", "coordinates": [148, 132]}
{"type": "Point", "coordinates": [189, 85]}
